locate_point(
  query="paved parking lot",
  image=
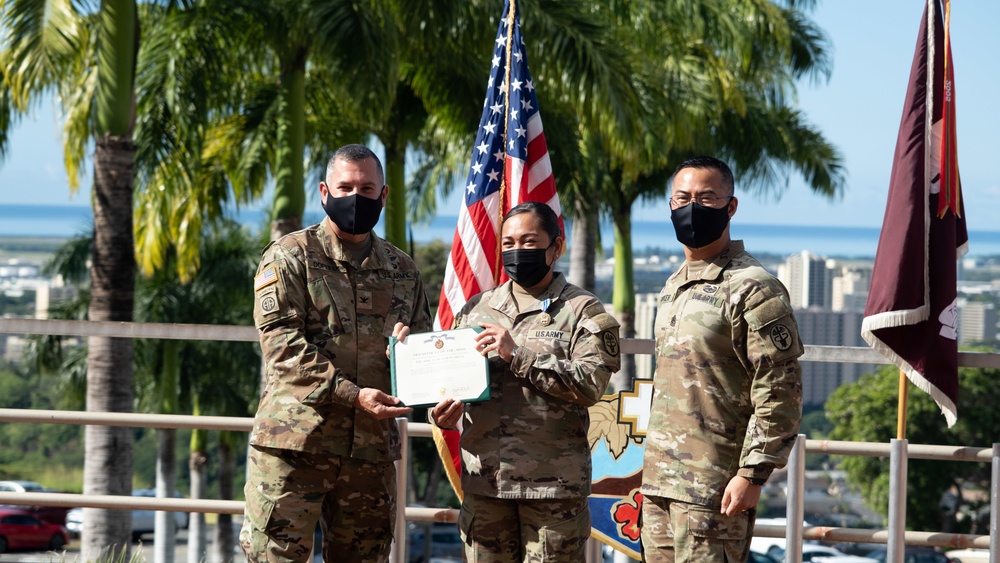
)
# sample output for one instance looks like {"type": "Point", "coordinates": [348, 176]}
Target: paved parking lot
{"type": "Point", "coordinates": [72, 553]}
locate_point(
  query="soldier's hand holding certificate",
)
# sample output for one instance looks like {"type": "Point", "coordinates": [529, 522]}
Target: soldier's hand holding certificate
{"type": "Point", "coordinates": [432, 366]}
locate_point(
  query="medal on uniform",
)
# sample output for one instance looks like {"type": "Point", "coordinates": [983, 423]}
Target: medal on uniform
{"type": "Point", "coordinates": [545, 318]}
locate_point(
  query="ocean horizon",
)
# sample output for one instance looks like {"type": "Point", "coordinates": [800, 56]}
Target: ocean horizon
{"type": "Point", "coordinates": [64, 221]}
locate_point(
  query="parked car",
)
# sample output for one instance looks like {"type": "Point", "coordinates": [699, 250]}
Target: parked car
{"type": "Point", "coordinates": [51, 514]}
{"type": "Point", "coordinates": [912, 554]}
{"type": "Point", "coordinates": [764, 545]}
{"type": "Point", "coordinates": [21, 487]}
{"type": "Point", "coordinates": [21, 530]}
{"type": "Point", "coordinates": [810, 552]}
{"type": "Point", "coordinates": [446, 542]}
{"type": "Point", "coordinates": [844, 559]}
{"type": "Point", "coordinates": [969, 555]}
{"type": "Point", "coordinates": [755, 557]}
{"type": "Point", "coordinates": [143, 521]}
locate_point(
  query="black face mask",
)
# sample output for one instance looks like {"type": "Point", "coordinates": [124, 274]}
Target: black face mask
{"type": "Point", "coordinates": [526, 266]}
{"type": "Point", "coordinates": [697, 226]}
{"type": "Point", "coordinates": [354, 214]}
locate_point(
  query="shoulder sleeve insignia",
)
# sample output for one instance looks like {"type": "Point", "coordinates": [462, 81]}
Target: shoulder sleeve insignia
{"type": "Point", "coordinates": [610, 342]}
{"type": "Point", "coordinates": [781, 337]}
{"type": "Point", "coordinates": [265, 278]}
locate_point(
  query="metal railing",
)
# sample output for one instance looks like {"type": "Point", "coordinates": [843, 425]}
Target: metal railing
{"type": "Point", "coordinates": [793, 534]}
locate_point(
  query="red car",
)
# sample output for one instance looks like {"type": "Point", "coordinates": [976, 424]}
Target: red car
{"type": "Point", "coordinates": [21, 530]}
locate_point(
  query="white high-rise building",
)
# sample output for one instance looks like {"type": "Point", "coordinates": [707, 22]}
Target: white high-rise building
{"type": "Point", "coordinates": [808, 279]}
{"type": "Point", "coordinates": [977, 322]}
{"type": "Point", "coordinates": [829, 328]}
{"type": "Point", "coordinates": [850, 288]}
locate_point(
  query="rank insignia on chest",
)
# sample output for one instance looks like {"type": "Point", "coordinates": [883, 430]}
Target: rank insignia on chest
{"type": "Point", "coordinates": [545, 319]}
{"type": "Point", "coordinates": [364, 299]}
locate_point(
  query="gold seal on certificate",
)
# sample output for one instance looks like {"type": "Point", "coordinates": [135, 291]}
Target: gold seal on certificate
{"type": "Point", "coordinates": [429, 367]}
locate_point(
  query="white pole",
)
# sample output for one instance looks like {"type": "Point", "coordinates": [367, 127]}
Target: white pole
{"type": "Point", "coordinates": [397, 553]}
{"type": "Point", "coordinates": [795, 500]}
{"type": "Point", "coordinates": [995, 507]}
{"type": "Point", "coordinates": [897, 501]}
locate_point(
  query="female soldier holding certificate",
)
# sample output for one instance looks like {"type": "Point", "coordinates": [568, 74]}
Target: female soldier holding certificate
{"type": "Point", "coordinates": [525, 456]}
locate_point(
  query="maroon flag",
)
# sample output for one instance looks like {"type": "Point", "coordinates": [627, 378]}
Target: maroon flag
{"type": "Point", "coordinates": [911, 314]}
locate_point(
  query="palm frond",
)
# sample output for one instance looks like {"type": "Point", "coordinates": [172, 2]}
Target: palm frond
{"type": "Point", "coordinates": [44, 40]}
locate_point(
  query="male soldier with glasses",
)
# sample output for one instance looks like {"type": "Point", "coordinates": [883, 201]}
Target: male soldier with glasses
{"type": "Point", "coordinates": [728, 387]}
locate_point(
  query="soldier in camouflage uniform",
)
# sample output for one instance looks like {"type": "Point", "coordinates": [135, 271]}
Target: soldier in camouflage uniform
{"type": "Point", "coordinates": [552, 348]}
{"type": "Point", "coordinates": [327, 298]}
{"type": "Point", "coordinates": [728, 386]}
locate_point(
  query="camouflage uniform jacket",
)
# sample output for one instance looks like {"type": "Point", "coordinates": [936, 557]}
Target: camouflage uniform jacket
{"type": "Point", "coordinates": [529, 440]}
{"type": "Point", "coordinates": [728, 387]}
{"type": "Point", "coordinates": [324, 325]}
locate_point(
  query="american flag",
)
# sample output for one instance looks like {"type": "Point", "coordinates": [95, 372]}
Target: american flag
{"type": "Point", "coordinates": [510, 165]}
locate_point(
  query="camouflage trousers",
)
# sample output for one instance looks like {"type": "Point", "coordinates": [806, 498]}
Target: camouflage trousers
{"type": "Point", "coordinates": [680, 532]}
{"type": "Point", "coordinates": [288, 492]}
{"type": "Point", "coordinates": [496, 530]}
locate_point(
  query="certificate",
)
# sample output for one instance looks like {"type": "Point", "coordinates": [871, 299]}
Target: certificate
{"type": "Point", "coordinates": [429, 367]}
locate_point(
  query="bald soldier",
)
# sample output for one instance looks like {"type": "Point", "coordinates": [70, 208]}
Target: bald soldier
{"type": "Point", "coordinates": [727, 396]}
{"type": "Point", "coordinates": [326, 301]}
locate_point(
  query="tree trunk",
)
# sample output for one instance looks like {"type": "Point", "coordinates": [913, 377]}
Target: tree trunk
{"type": "Point", "coordinates": [429, 497]}
{"type": "Point", "coordinates": [395, 177]}
{"type": "Point", "coordinates": [289, 178]}
{"type": "Point", "coordinates": [624, 296]}
{"type": "Point", "coordinates": [198, 465]}
{"type": "Point", "coordinates": [225, 542]}
{"type": "Point", "coordinates": [165, 524]}
{"type": "Point", "coordinates": [584, 247]}
{"type": "Point", "coordinates": [107, 467]}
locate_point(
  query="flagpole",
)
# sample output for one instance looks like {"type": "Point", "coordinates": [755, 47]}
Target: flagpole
{"type": "Point", "coordinates": [904, 390]}
{"type": "Point", "coordinates": [501, 211]}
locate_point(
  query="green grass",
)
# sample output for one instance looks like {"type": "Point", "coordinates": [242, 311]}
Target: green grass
{"type": "Point", "coordinates": [58, 477]}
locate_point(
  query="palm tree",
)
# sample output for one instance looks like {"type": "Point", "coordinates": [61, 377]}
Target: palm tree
{"type": "Point", "coordinates": [89, 59]}
{"type": "Point", "coordinates": [173, 376]}
{"type": "Point", "coordinates": [233, 95]}
{"type": "Point", "coordinates": [198, 377]}
{"type": "Point", "coordinates": [575, 62]}
{"type": "Point", "coordinates": [219, 378]}
{"type": "Point", "coordinates": [728, 68]}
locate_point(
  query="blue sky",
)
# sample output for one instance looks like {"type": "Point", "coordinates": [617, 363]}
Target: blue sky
{"type": "Point", "coordinates": [858, 109]}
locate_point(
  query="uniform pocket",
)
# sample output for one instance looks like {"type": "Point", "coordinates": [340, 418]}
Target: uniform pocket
{"type": "Point", "coordinates": [711, 524]}
{"type": "Point", "coordinates": [401, 306]}
{"type": "Point", "coordinates": [257, 517]}
{"type": "Point", "coordinates": [465, 520]}
{"type": "Point", "coordinates": [565, 540]}
{"type": "Point", "coordinates": [328, 311]}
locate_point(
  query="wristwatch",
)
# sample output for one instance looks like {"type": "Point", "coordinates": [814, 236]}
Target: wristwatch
{"type": "Point", "coordinates": [756, 481]}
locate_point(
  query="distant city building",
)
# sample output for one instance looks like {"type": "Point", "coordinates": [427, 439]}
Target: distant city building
{"type": "Point", "coordinates": [821, 327]}
{"type": "Point", "coordinates": [13, 347]}
{"type": "Point", "coordinates": [977, 322]}
{"type": "Point", "coordinates": [49, 294]}
{"type": "Point", "coordinates": [809, 280]}
{"type": "Point", "coordinates": [14, 268]}
{"type": "Point", "coordinates": [850, 288]}
{"type": "Point", "coordinates": [645, 316]}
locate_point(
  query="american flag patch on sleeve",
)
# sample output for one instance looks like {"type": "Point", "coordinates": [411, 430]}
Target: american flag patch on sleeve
{"type": "Point", "coordinates": [265, 278]}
